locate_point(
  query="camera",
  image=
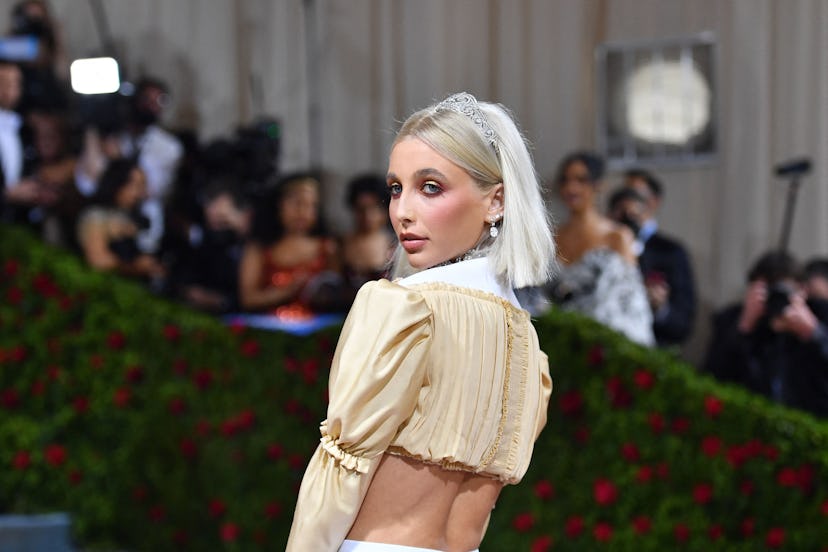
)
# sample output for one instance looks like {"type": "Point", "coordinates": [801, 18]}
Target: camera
{"type": "Point", "coordinates": [779, 297]}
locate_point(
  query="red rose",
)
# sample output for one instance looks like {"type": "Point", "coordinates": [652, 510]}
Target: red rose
{"type": "Point", "coordinates": [656, 422]}
{"type": "Point", "coordinates": [310, 371]}
{"type": "Point", "coordinates": [188, 448]}
{"type": "Point", "coordinates": [229, 427]}
{"type": "Point", "coordinates": [775, 538]}
{"type": "Point", "coordinates": [643, 379]}
{"type": "Point", "coordinates": [737, 455]}
{"type": "Point", "coordinates": [754, 448]}
{"type": "Point", "coordinates": [22, 460]}
{"type": "Point", "coordinates": [746, 487]}
{"type": "Point", "coordinates": [121, 397]}
{"type": "Point", "coordinates": [250, 348]}
{"type": "Point", "coordinates": [523, 522]}
{"type": "Point", "coordinates": [619, 396]}
{"type": "Point", "coordinates": [53, 372]}
{"type": "Point", "coordinates": [180, 367]}
{"type": "Point", "coordinates": [582, 435]}
{"type": "Point", "coordinates": [703, 493]}
{"type": "Point", "coordinates": [157, 513]}
{"type": "Point", "coordinates": [595, 356]}
{"type": "Point", "coordinates": [44, 285]}
{"type": "Point", "coordinates": [602, 531]}
{"type": "Point", "coordinates": [216, 508]}
{"type": "Point", "coordinates": [274, 451]}
{"type": "Point", "coordinates": [75, 477]}
{"type": "Point", "coordinates": [571, 403]}
{"type": "Point", "coordinates": [712, 406]}
{"type": "Point", "coordinates": [96, 362]}
{"type": "Point", "coordinates": [171, 332]}
{"type": "Point", "coordinates": [18, 354]}
{"type": "Point", "coordinates": [642, 525]}
{"type": "Point", "coordinates": [246, 419]}
{"type": "Point", "coordinates": [296, 461]}
{"type": "Point", "coordinates": [662, 470]}
{"type": "Point", "coordinates": [542, 544]}
{"type": "Point", "coordinates": [711, 446]}
{"type": "Point", "coordinates": [805, 478]}
{"type": "Point", "coordinates": [771, 452]}
{"type": "Point", "coordinates": [574, 526]}
{"type": "Point", "coordinates": [292, 406]}
{"type": "Point", "coordinates": [14, 295]}
{"type": "Point", "coordinates": [11, 267]}
{"type": "Point", "coordinates": [229, 532]}
{"type": "Point", "coordinates": [605, 492]}
{"type": "Point", "coordinates": [681, 532]}
{"type": "Point", "coordinates": [630, 452]}
{"type": "Point", "coordinates": [291, 365]}
{"type": "Point", "coordinates": [181, 538]}
{"type": "Point", "coordinates": [203, 379]}
{"type": "Point", "coordinates": [644, 474]}
{"type": "Point", "coordinates": [55, 455]}
{"type": "Point", "coordinates": [680, 425]}
{"type": "Point", "coordinates": [544, 489]}
{"type": "Point", "coordinates": [38, 388]}
{"type": "Point", "coordinates": [116, 340]}
{"type": "Point", "coordinates": [273, 510]}
{"type": "Point", "coordinates": [715, 532]}
{"type": "Point", "coordinates": [787, 477]}
{"type": "Point", "coordinates": [10, 399]}
{"type": "Point", "coordinates": [825, 508]}
{"type": "Point", "coordinates": [81, 404]}
{"type": "Point", "coordinates": [203, 427]}
{"type": "Point", "coordinates": [134, 374]}
{"type": "Point", "coordinates": [748, 525]}
{"type": "Point", "coordinates": [177, 406]}
{"type": "Point", "coordinates": [237, 327]}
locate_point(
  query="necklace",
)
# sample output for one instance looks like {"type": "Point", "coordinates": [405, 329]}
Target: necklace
{"type": "Point", "coordinates": [473, 253]}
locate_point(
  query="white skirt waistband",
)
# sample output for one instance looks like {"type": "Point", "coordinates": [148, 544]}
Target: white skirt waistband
{"type": "Point", "coordinates": [361, 546]}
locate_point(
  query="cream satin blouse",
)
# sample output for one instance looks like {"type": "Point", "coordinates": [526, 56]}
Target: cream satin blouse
{"type": "Point", "coordinates": [432, 370]}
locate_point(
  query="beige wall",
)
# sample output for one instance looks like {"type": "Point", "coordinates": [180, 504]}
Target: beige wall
{"type": "Point", "coordinates": [374, 61]}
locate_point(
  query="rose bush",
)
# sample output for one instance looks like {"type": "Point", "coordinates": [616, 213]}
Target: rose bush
{"type": "Point", "coordinates": [158, 428]}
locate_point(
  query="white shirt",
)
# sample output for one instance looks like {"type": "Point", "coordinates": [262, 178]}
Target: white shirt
{"type": "Point", "coordinates": [474, 274]}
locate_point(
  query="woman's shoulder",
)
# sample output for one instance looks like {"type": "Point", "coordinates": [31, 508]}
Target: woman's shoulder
{"type": "Point", "coordinates": [619, 239]}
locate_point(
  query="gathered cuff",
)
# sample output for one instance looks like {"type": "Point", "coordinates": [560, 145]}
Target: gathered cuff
{"type": "Point", "coordinates": [350, 461]}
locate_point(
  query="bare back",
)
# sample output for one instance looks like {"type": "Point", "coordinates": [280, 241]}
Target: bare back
{"type": "Point", "coordinates": [416, 504]}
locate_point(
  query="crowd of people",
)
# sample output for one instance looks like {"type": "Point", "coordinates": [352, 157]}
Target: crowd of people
{"type": "Point", "coordinates": [214, 225]}
{"type": "Point", "coordinates": [217, 226]}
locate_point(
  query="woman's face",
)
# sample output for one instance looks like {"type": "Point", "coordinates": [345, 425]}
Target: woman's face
{"type": "Point", "coordinates": [437, 209]}
{"type": "Point", "coordinates": [133, 192]}
{"type": "Point", "coordinates": [299, 207]}
{"type": "Point", "coordinates": [576, 188]}
{"type": "Point", "coordinates": [369, 213]}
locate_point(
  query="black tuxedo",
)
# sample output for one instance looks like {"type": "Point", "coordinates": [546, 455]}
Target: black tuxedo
{"type": "Point", "coordinates": [665, 258]}
{"type": "Point", "coordinates": [777, 365]}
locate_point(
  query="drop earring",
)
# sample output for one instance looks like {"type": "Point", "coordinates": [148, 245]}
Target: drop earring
{"type": "Point", "coordinates": [493, 230]}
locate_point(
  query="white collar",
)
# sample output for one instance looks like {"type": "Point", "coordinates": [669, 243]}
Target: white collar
{"type": "Point", "coordinates": [474, 274]}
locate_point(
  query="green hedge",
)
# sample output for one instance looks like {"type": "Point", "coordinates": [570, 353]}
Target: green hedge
{"type": "Point", "coordinates": [158, 428]}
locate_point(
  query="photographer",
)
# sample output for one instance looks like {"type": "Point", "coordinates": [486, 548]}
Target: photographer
{"type": "Point", "coordinates": [775, 342]}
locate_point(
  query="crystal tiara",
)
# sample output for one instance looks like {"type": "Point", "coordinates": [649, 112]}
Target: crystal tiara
{"type": "Point", "coordinates": [466, 104]}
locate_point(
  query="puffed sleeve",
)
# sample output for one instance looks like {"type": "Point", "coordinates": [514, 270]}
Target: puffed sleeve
{"type": "Point", "coordinates": [376, 376]}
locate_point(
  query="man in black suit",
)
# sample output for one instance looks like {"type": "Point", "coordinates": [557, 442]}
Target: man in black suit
{"type": "Point", "coordinates": [775, 342]}
{"type": "Point", "coordinates": [664, 262]}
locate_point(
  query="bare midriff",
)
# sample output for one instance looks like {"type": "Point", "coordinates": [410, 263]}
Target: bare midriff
{"type": "Point", "coordinates": [416, 504]}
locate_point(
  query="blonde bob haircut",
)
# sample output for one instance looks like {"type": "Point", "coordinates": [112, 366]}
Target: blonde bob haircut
{"type": "Point", "coordinates": [523, 254]}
